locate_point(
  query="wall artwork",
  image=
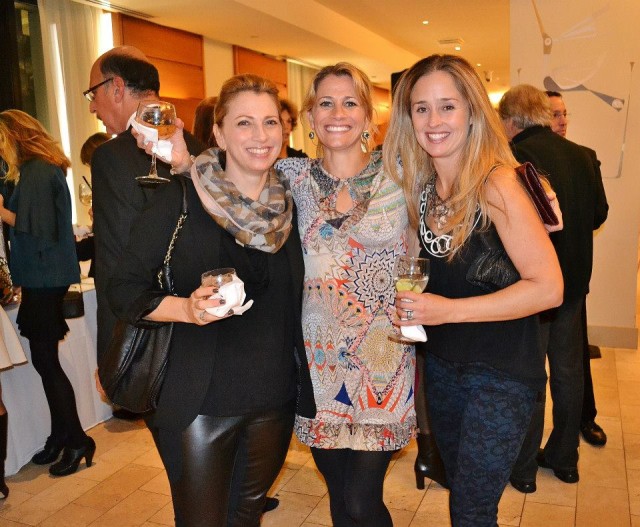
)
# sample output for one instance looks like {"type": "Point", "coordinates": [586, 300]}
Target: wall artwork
{"type": "Point", "coordinates": [579, 60]}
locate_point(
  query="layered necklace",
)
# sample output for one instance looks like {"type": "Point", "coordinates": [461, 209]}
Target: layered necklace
{"type": "Point", "coordinates": [437, 207]}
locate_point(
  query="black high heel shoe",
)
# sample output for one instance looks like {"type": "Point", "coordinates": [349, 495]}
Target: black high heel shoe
{"type": "Point", "coordinates": [428, 462]}
{"type": "Point", "coordinates": [49, 454]}
{"type": "Point", "coordinates": [71, 458]}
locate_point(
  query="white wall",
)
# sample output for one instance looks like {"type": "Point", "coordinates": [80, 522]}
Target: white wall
{"type": "Point", "coordinates": [592, 43]}
{"type": "Point", "coordinates": [218, 65]}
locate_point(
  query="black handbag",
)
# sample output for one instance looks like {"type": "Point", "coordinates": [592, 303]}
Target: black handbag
{"type": "Point", "coordinates": [73, 304]}
{"type": "Point", "coordinates": [133, 369]}
{"type": "Point", "coordinates": [492, 270]}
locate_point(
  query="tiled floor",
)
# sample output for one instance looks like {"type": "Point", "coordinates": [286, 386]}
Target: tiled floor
{"type": "Point", "coordinates": [127, 485]}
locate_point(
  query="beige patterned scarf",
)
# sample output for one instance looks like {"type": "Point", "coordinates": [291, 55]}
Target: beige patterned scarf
{"type": "Point", "coordinates": [263, 224]}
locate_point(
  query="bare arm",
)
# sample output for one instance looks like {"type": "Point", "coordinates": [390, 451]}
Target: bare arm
{"type": "Point", "coordinates": [6, 215]}
{"type": "Point", "coordinates": [530, 250]}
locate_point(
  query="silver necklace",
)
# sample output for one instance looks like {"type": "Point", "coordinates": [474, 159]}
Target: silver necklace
{"type": "Point", "coordinates": [437, 207]}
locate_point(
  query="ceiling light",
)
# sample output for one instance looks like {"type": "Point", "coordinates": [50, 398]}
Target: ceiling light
{"type": "Point", "coordinates": [478, 64]}
{"type": "Point", "coordinates": [425, 22]}
{"type": "Point", "coordinates": [458, 48]}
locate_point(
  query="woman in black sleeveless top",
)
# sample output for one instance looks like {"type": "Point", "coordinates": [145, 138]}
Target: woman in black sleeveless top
{"type": "Point", "coordinates": [484, 367]}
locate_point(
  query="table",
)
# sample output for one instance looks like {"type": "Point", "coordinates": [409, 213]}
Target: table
{"type": "Point", "coordinates": [29, 421]}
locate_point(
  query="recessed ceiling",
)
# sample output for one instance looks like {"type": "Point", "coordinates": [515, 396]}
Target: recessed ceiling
{"type": "Point", "coordinates": [379, 36]}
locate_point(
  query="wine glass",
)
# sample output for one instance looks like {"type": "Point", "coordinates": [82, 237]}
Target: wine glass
{"type": "Point", "coordinates": [218, 277]}
{"type": "Point", "coordinates": [410, 274]}
{"type": "Point", "coordinates": [161, 116]}
{"type": "Point", "coordinates": [84, 194]}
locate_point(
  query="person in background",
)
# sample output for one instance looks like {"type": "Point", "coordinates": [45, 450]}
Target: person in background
{"type": "Point", "coordinates": [590, 430]}
{"type": "Point", "coordinates": [43, 262]}
{"type": "Point", "coordinates": [289, 117]}
{"type": "Point", "coordinates": [119, 80]}
{"type": "Point", "coordinates": [203, 122]}
{"type": "Point", "coordinates": [226, 410]}
{"type": "Point", "coordinates": [526, 115]}
{"type": "Point", "coordinates": [484, 366]}
{"type": "Point", "coordinates": [85, 248]}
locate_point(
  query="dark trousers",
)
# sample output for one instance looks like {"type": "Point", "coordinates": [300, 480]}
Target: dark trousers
{"type": "Point", "coordinates": [562, 335]}
{"type": "Point", "coordinates": [479, 419]}
{"type": "Point", "coordinates": [589, 411]}
{"type": "Point", "coordinates": [66, 429]}
{"type": "Point", "coordinates": [355, 479]}
{"type": "Point", "coordinates": [220, 468]}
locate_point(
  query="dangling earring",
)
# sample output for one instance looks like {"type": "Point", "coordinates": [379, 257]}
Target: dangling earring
{"type": "Point", "coordinates": [312, 135]}
{"type": "Point", "coordinates": [364, 145]}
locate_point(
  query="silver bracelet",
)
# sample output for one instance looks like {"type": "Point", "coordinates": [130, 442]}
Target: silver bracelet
{"type": "Point", "coordinates": [173, 170]}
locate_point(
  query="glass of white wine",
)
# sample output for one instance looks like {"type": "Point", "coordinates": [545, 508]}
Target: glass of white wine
{"type": "Point", "coordinates": [84, 194]}
{"type": "Point", "coordinates": [410, 274]}
{"type": "Point", "coordinates": [161, 116]}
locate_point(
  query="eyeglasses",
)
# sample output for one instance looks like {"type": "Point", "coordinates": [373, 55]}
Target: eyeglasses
{"type": "Point", "coordinates": [90, 94]}
{"type": "Point", "coordinates": [557, 115]}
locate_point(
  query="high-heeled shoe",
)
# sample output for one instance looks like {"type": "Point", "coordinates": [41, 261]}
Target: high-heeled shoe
{"type": "Point", "coordinates": [71, 458]}
{"type": "Point", "coordinates": [428, 462]}
{"type": "Point", "coordinates": [49, 454]}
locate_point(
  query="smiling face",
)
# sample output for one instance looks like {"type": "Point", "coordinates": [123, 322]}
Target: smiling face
{"type": "Point", "coordinates": [251, 134]}
{"type": "Point", "coordinates": [440, 118]}
{"type": "Point", "coordinates": [338, 116]}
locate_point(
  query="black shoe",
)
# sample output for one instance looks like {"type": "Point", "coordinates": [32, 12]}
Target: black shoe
{"type": "Point", "coordinates": [126, 415]}
{"type": "Point", "coordinates": [270, 504]}
{"type": "Point", "coordinates": [49, 454]}
{"type": "Point", "coordinates": [71, 458]}
{"type": "Point", "coordinates": [526, 487]}
{"type": "Point", "coordinates": [593, 434]}
{"type": "Point", "coordinates": [428, 462]}
{"type": "Point", "coordinates": [568, 475]}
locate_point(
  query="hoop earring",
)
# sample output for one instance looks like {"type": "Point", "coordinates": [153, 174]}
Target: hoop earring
{"type": "Point", "coordinates": [364, 145]}
{"type": "Point", "coordinates": [312, 135]}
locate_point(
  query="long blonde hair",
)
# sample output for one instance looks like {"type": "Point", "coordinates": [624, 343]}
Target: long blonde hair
{"type": "Point", "coordinates": [485, 149]}
{"type": "Point", "coordinates": [22, 138]}
{"type": "Point", "coordinates": [361, 84]}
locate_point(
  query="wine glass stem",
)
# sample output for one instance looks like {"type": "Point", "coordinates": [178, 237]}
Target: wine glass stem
{"type": "Point", "coordinates": [153, 172]}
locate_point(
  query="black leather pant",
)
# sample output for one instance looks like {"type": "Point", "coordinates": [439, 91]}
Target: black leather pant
{"type": "Point", "coordinates": [220, 468]}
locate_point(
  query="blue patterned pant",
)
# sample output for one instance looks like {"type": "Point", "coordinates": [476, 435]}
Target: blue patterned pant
{"type": "Point", "coordinates": [479, 419]}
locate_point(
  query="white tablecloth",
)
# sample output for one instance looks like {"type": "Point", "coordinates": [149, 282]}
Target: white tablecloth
{"type": "Point", "coordinates": [29, 421]}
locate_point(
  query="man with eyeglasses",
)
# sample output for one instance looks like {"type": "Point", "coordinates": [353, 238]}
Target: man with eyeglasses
{"type": "Point", "coordinates": [119, 80]}
{"type": "Point", "coordinates": [591, 432]}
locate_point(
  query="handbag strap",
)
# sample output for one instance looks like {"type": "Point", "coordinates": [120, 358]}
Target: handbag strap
{"type": "Point", "coordinates": [181, 219]}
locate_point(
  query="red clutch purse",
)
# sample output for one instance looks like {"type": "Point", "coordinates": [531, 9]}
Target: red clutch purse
{"type": "Point", "coordinates": [530, 179]}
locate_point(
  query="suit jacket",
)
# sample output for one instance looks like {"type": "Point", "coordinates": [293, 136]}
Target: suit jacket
{"type": "Point", "coordinates": [117, 200]}
{"type": "Point", "coordinates": [133, 295]}
{"type": "Point", "coordinates": [575, 176]}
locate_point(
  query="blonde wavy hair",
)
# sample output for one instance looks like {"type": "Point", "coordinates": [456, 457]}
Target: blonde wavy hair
{"type": "Point", "coordinates": [361, 84]}
{"type": "Point", "coordinates": [22, 138]}
{"type": "Point", "coordinates": [485, 149]}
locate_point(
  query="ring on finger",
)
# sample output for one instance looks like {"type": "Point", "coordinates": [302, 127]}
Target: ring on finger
{"type": "Point", "coordinates": [409, 314]}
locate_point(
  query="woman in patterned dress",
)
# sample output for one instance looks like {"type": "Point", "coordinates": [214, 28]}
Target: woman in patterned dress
{"type": "Point", "coordinates": [352, 219]}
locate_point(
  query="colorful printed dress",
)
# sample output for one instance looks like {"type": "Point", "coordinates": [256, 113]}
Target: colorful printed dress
{"type": "Point", "coordinates": [362, 380]}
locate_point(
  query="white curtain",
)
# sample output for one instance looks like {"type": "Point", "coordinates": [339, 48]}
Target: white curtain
{"type": "Point", "coordinates": [70, 39]}
{"type": "Point", "coordinates": [299, 79]}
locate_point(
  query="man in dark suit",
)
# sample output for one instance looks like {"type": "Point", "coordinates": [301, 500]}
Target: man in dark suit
{"type": "Point", "coordinates": [119, 80]}
{"type": "Point", "coordinates": [591, 431]}
{"type": "Point", "coordinates": [526, 114]}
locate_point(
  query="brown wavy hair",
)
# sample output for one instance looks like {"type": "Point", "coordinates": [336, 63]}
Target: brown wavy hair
{"type": "Point", "coordinates": [23, 138]}
{"type": "Point", "coordinates": [486, 147]}
{"type": "Point", "coordinates": [239, 84]}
